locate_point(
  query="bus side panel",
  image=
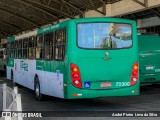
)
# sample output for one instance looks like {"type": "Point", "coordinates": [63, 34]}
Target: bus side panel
{"type": "Point", "coordinates": [50, 77]}
{"type": "Point", "coordinates": [51, 82]}
{"type": "Point", "coordinates": [24, 72]}
{"type": "Point", "coordinates": [149, 56]}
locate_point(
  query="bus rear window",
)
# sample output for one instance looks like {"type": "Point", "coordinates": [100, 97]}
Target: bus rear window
{"type": "Point", "coordinates": [104, 35]}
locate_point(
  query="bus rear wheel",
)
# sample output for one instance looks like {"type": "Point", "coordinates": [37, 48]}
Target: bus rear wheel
{"type": "Point", "coordinates": [37, 90]}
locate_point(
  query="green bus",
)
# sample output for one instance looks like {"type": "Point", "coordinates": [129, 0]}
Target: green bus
{"type": "Point", "coordinates": [149, 57]}
{"type": "Point", "coordinates": [78, 58]}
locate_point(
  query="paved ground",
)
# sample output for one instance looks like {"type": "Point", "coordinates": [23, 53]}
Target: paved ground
{"type": "Point", "coordinates": [149, 100]}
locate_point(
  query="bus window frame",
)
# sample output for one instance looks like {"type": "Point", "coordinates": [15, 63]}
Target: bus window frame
{"type": "Point", "coordinates": [33, 47]}
{"type": "Point", "coordinates": [52, 36]}
{"type": "Point", "coordinates": [54, 42]}
{"type": "Point", "coordinates": [20, 43]}
{"type": "Point", "coordinates": [8, 48]}
{"type": "Point", "coordinates": [16, 49]}
{"type": "Point", "coordinates": [9, 45]}
{"type": "Point", "coordinates": [12, 44]}
{"type": "Point", "coordinates": [41, 46]}
{"type": "Point", "coordinates": [12, 49]}
{"type": "Point", "coordinates": [24, 39]}
{"type": "Point", "coordinates": [132, 30]}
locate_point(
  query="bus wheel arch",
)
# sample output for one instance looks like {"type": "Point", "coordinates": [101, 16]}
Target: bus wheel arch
{"type": "Point", "coordinates": [37, 89]}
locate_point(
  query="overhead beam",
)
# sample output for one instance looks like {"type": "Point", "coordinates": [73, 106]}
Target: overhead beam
{"type": "Point", "coordinates": [131, 6]}
{"type": "Point", "coordinates": [18, 16]}
{"type": "Point", "coordinates": [155, 12]}
{"type": "Point", "coordinates": [103, 12]}
{"type": "Point", "coordinates": [5, 32]}
{"type": "Point", "coordinates": [40, 5]}
{"type": "Point", "coordinates": [103, 5]}
{"type": "Point", "coordinates": [3, 35]}
{"type": "Point", "coordinates": [145, 4]}
{"type": "Point", "coordinates": [67, 3]}
{"type": "Point", "coordinates": [37, 8]}
{"type": "Point", "coordinates": [7, 24]}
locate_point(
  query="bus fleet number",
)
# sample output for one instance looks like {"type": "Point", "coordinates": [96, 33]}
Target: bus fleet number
{"type": "Point", "coordinates": [122, 84]}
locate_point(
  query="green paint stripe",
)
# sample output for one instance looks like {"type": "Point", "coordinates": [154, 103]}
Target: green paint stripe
{"type": "Point", "coordinates": [10, 62]}
{"type": "Point", "coordinates": [10, 39]}
{"type": "Point", "coordinates": [47, 29]}
{"type": "Point", "coordinates": [52, 27]}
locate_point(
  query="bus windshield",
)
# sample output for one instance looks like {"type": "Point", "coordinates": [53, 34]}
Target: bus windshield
{"type": "Point", "coordinates": [104, 35]}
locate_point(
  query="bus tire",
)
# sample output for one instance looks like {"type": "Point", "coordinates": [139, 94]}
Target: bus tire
{"type": "Point", "coordinates": [37, 89]}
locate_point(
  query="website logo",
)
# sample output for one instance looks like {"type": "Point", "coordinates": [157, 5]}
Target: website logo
{"type": "Point", "coordinates": [6, 114]}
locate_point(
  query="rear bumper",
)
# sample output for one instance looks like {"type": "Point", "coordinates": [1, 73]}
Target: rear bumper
{"type": "Point", "coordinates": [76, 93]}
{"type": "Point", "coordinates": [149, 78]}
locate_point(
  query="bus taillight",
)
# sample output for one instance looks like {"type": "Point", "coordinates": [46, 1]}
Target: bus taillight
{"type": "Point", "coordinates": [134, 75]}
{"type": "Point", "coordinates": [75, 76]}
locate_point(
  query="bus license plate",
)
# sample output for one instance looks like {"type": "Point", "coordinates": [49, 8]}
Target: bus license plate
{"type": "Point", "coordinates": [106, 84]}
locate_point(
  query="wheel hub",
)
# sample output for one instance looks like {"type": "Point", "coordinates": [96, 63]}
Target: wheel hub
{"type": "Point", "coordinates": [37, 90]}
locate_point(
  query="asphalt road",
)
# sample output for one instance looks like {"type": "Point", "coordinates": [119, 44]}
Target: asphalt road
{"type": "Point", "coordinates": [149, 100]}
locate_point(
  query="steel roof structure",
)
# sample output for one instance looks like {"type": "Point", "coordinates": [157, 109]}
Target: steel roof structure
{"type": "Point", "coordinates": [152, 12]}
{"type": "Point", "coordinates": [20, 15]}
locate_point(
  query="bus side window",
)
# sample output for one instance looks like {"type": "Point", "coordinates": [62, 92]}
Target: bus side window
{"type": "Point", "coordinates": [48, 42]}
{"type": "Point", "coordinates": [8, 49]}
{"type": "Point", "coordinates": [25, 48]}
{"type": "Point", "coordinates": [32, 47]}
{"type": "Point", "coordinates": [16, 49]}
{"type": "Point", "coordinates": [39, 47]}
{"type": "Point", "coordinates": [20, 49]}
{"type": "Point", "coordinates": [60, 44]}
{"type": "Point", "coordinates": [12, 50]}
